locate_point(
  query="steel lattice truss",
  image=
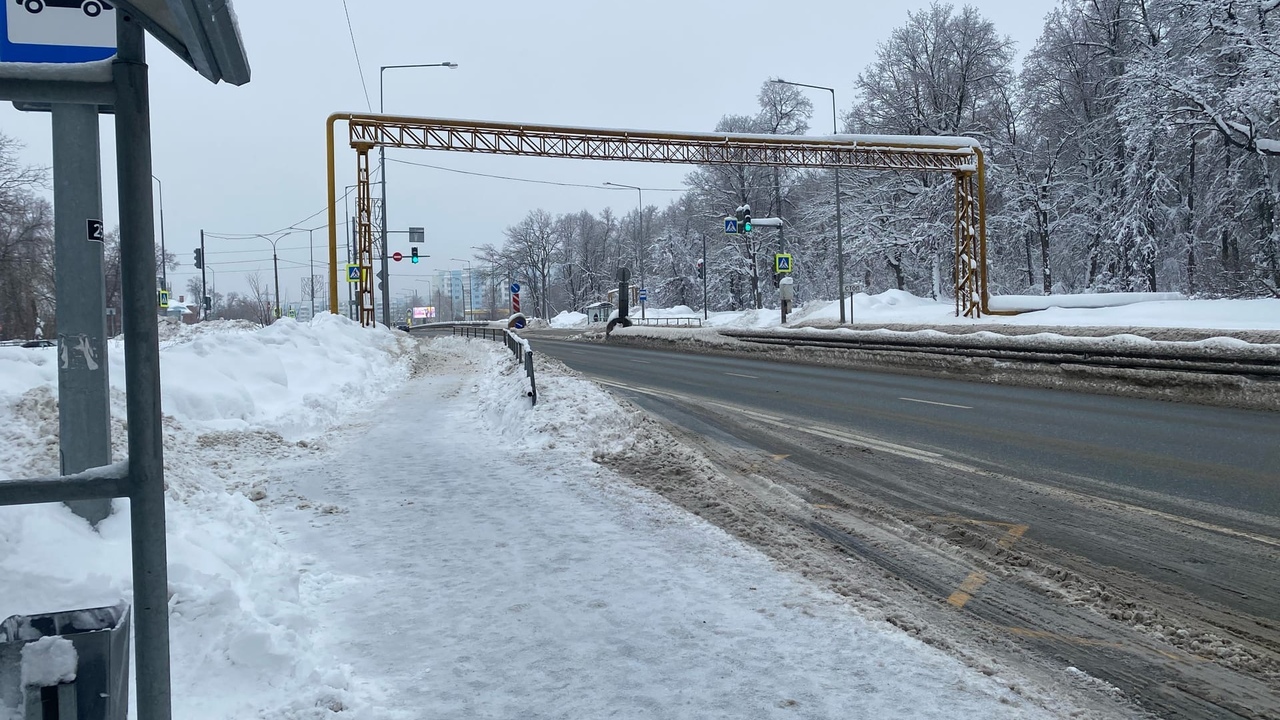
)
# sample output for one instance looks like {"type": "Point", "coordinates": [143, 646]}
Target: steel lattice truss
{"type": "Point", "coordinates": [957, 156]}
{"type": "Point", "coordinates": [639, 146]}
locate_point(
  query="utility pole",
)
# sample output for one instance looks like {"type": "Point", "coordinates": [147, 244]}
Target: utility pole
{"type": "Point", "coordinates": [705, 272]}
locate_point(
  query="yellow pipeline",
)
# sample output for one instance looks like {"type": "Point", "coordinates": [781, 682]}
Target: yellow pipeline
{"type": "Point", "coordinates": [333, 215]}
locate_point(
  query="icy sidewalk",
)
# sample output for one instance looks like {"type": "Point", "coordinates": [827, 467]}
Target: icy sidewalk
{"type": "Point", "coordinates": [473, 582]}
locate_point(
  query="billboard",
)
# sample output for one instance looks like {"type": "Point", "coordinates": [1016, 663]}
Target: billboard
{"type": "Point", "coordinates": [424, 313]}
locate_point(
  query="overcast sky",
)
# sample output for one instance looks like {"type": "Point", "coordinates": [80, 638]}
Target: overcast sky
{"type": "Point", "coordinates": [252, 159]}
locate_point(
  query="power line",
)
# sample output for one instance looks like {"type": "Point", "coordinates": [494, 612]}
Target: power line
{"type": "Point", "coordinates": [525, 180]}
{"type": "Point", "coordinates": [359, 67]}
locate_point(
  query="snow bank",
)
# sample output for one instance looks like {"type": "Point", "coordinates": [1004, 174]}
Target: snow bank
{"type": "Point", "coordinates": [1027, 303]}
{"type": "Point", "coordinates": [235, 400]}
{"type": "Point", "coordinates": [1091, 310]}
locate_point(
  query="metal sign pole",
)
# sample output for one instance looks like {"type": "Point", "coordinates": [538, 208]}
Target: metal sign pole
{"type": "Point", "coordinates": [142, 372]}
{"type": "Point", "coordinates": [84, 411]}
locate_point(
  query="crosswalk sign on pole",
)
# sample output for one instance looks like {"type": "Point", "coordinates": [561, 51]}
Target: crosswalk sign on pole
{"type": "Point", "coordinates": [782, 263]}
{"type": "Point", "coordinates": [353, 273]}
{"type": "Point", "coordinates": [730, 226]}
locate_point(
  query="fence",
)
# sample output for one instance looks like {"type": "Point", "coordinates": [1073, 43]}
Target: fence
{"type": "Point", "coordinates": [668, 321]}
{"type": "Point", "coordinates": [516, 344]}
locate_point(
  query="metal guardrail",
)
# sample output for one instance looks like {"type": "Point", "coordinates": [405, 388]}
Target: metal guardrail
{"type": "Point", "coordinates": [518, 346]}
{"type": "Point", "coordinates": [1263, 362]}
{"type": "Point", "coordinates": [668, 321]}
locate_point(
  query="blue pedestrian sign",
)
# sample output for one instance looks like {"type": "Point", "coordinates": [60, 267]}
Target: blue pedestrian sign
{"type": "Point", "coordinates": [57, 31]}
{"type": "Point", "coordinates": [782, 263]}
{"type": "Point", "coordinates": [515, 288]}
{"type": "Point", "coordinates": [353, 273]}
{"type": "Point", "coordinates": [730, 226]}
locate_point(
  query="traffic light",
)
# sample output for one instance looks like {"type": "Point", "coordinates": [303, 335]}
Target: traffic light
{"type": "Point", "coordinates": [415, 255]}
{"type": "Point", "coordinates": [702, 269]}
{"type": "Point", "coordinates": [777, 279]}
{"type": "Point", "coordinates": [746, 218]}
{"type": "Point", "coordinates": [740, 214]}
{"type": "Point", "coordinates": [199, 258]}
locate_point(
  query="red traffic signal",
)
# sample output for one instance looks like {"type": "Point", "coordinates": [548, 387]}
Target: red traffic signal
{"type": "Point", "coordinates": [397, 256]}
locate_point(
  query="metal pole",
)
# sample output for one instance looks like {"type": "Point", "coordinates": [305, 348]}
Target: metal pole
{"type": "Point", "coordinates": [311, 272]}
{"type": "Point", "coordinates": [164, 256]}
{"type": "Point", "coordinates": [204, 286]}
{"type": "Point", "coordinates": [275, 265]}
{"type": "Point", "coordinates": [142, 372]}
{"type": "Point", "coordinates": [839, 231]}
{"type": "Point", "coordinates": [84, 409]}
{"type": "Point", "coordinates": [640, 247]}
{"type": "Point", "coordinates": [705, 271]}
{"type": "Point", "coordinates": [382, 160]}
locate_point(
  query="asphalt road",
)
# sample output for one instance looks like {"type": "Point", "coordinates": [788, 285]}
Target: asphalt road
{"type": "Point", "coordinates": [1132, 509]}
{"type": "Point", "coordinates": [1225, 458]}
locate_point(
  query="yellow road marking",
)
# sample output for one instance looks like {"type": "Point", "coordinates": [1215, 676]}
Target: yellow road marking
{"type": "Point", "coordinates": [779, 458]}
{"type": "Point", "coordinates": [826, 507]}
{"type": "Point", "coordinates": [967, 589]}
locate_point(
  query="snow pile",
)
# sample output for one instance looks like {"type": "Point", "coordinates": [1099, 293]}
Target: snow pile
{"type": "Point", "coordinates": [569, 319]}
{"type": "Point", "coordinates": [48, 661]}
{"type": "Point", "coordinates": [237, 400]}
{"type": "Point", "coordinates": [1024, 303]}
{"type": "Point", "coordinates": [899, 307]}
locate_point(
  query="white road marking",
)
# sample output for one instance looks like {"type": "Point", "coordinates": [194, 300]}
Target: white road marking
{"type": "Point", "coordinates": [752, 377]}
{"type": "Point", "coordinates": [642, 362]}
{"type": "Point", "coordinates": [930, 402]}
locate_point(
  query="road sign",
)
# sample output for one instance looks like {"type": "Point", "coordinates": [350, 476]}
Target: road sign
{"type": "Point", "coordinates": [163, 297]}
{"type": "Point", "coordinates": [397, 256]}
{"type": "Point", "coordinates": [515, 288]}
{"type": "Point", "coordinates": [730, 226]}
{"type": "Point", "coordinates": [41, 32]}
{"type": "Point", "coordinates": [353, 273]}
{"type": "Point", "coordinates": [782, 263]}
{"type": "Point", "coordinates": [416, 234]}
{"type": "Point", "coordinates": [644, 295]}
{"type": "Point", "coordinates": [93, 232]}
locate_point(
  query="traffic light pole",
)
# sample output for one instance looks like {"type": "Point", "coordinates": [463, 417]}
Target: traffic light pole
{"type": "Point", "coordinates": [204, 287]}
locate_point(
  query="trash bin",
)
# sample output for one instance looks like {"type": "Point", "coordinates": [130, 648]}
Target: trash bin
{"type": "Point", "coordinates": [101, 640]}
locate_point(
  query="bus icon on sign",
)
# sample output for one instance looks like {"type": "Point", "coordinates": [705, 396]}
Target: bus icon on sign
{"type": "Point", "coordinates": [92, 8]}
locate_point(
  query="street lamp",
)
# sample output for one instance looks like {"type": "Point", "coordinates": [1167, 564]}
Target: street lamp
{"type": "Point", "coordinates": [275, 264]}
{"type": "Point", "coordinates": [839, 234]}
{"type": "Point", "coordinates": [466, 291]}
{"type": "Point", "coordinates": [382, 160]}
{"type": "Point", "coordinates": [639, 242]}
{"type": "Point", "coordinates": [311, 272]}
{"type": "Point", "coordinates": [164, 258]}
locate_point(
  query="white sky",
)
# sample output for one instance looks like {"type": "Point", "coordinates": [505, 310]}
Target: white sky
{"type": "Point", "coordinates": [251, 159]}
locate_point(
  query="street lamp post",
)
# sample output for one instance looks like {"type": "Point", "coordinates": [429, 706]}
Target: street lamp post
{"type": "Point", "coordinates": [311, 268]}
{"type": "Point", "coordinates": [835, 130]}
{"type": "Point", "coordinates": [382, 160]}
{"type": "Point", "coordinates": [466, 290]}
{"type": "Point", "coordinates": [275, 265]}
{"type": "Point", "coordinates": [164, 257]}
{"type": "Point", "coordinates": [639, 241]}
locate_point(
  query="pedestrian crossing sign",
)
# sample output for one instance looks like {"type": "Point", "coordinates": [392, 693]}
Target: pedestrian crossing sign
{"type": "Point", "coordinates": [353, 273]}
{"type": "Point", "coordinates": [782, 263]}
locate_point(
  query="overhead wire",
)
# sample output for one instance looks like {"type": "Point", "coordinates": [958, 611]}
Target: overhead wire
{"type": "Point", "coordinates": [356, 49]}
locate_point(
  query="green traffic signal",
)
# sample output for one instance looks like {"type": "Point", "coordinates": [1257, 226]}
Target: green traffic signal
{"type": "Point", "coordinates": [746, 227]}
{"type": "Point", "coordinates": [415, 256]}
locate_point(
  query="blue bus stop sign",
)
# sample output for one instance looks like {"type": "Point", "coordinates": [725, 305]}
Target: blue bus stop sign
{"type": "Point", "coordinates": [57, 32]}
